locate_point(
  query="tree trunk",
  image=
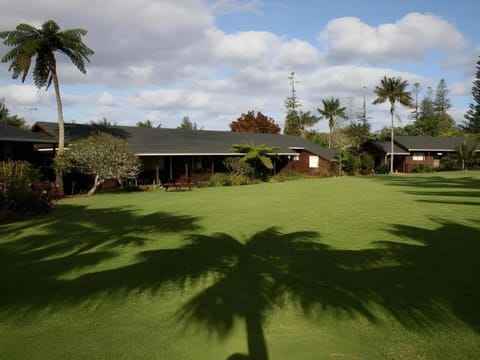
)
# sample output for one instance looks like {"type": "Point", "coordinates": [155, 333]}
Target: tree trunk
{"type": "Point", "coordinates": [61, 126]}
{"type": "Point", "coordinates": [98, 181]}
{"type": "Point", "coordinates": [330, 126]}
{"type": "Point", "coordinates": [392, 149]}
{"type": "Point", "coordinates": [257, 347]}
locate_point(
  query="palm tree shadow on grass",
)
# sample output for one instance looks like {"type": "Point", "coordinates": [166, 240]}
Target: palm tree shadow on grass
{"type": "Point", "coordinates": [255, 276]}
{"type": "Point", "coordinates": [418, 284]}
{"type": "Point", "coordinates": [440, 271]}
{"type": "Point", "coordinates": [32, 267]}
{"type": "Point", "coordinates": [245, 279]}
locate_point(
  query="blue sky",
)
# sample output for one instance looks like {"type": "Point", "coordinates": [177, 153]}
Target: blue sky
{"type": "Point", "coordinates": [214, 60]}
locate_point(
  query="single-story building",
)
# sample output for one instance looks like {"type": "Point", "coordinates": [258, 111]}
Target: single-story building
{"type": "Point", "coordinates": [167, 154]}
{"type": "Point", "coordinates": [414, 150]}
{"type": "Point", "coordinates": [21, 144]}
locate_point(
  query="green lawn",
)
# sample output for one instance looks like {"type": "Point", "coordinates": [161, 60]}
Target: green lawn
{"type": "Point", "coordinates": [380, 267]}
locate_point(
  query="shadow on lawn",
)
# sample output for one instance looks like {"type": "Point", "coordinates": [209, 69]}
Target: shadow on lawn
{"type": "Point", "coordinates": [31, 267]}
{"type": "Point", "coordinates": [430, 181]}
{"type": "Point", "coordinates": [246, 280]}
{"type": "Point", "coordinates": [435, 187]}
{"type": "Point", "coordinates": [441, 272]}
{"type": "Point", "coordinates": [419, 283]}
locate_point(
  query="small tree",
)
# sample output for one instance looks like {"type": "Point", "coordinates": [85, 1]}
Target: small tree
{"type": "Point", "coordinates": [466, 153]}
{"type": "Point", "coordinates": [103, 123]}
{"type": "Point", "coordinates": [472, 125]}
{"type": "Point", "coordinates": [257, 156]}
{"type": "Point", "coordinates": [12, 120]}
{"type": "Point", "coordinates": [255, 123]}
{"type": "Point", "coordinates": [102, 155]}
{"type": "Point", "coordinates": [332, 111]}
{"type": "Point", "coordinates": [145, 124]}
{"type": "Point", "coordinates": [442, 103]}
{"type": "Point", "coordinates": [292, 104]}
{"type": "Point", "coordinates": [187, 124]}
{"type": "Point", "coordinates": [292, 124]}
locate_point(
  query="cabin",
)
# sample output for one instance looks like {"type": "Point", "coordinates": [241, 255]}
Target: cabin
{"type": "Point", "coordinates": [410, 151]}
{"type": "Point", "coordinates": [23, 144]}
{"type": "Point", "coordinates": [168, 154]}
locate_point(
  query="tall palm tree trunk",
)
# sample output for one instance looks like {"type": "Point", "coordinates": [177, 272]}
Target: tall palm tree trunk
{"type": "Point", "coordinates": [391, 147]}
{"type": "Point", "coordinates": [61, 126]}
{"type": "Point", "coordinates": [392, 111]}
{"type": "Point", "coordinates": [257, 347]}
{"type": "Point", "coordinates": [331, 124]}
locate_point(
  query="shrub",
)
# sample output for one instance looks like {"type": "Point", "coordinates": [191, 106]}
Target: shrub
{"type": "Point", "coordinates": [422, 168]}
{"type": "Point", "coordinates": [236, 180]}
{"type": "Point", "coordinates": [450, 162]}
{"type": "Point", "coordinates": [287, 176]}
{"type": "Point", "coordinates": [237, 166]}
{"type": "Point", "coordinates": [220, 179]}
{"type": "Point", "coordinates": [349, 163]}
{"type": "Point", "coordinates": [366, 162]}
{"type": "Point", "coordinates": [382, 169]}
{"type": "Point", "coordinates": [20, 189]}
{"type": "Point", "coordinates": [200, 179]}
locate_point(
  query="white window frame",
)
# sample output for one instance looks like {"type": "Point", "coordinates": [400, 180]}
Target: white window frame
{"type": "Point", "coordinates": [313, 162]}
{"type": "Point", "coordinates": [420, 156]}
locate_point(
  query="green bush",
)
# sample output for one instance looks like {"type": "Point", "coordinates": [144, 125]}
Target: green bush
{"type": "Point", "coordinates": [236, 166]}
{"type": "Point", "coordinates": [219, 179]}
{"type": "Point", "coordinates": [366, 162]}
{"type": "Point", "coordinates": [382, 169]}
{"type": "Point", "coordinates": [450, 162]}
{"type": "Point", "coordinates": [349, 163]}
{"type": "Point", "coordinates": [236, 180]}
{"type": "Point", "coordinates": [291, 175]}
{"type": "Point", "coordinates": [422, 168]}
{"type": "Point", "coordinates": [20, 189]}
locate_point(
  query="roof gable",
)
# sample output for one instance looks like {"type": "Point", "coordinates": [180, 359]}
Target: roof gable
{"type": "Point", "coordinates": [386, 147]}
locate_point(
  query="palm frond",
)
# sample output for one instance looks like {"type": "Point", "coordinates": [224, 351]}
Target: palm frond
{"type": "Point", "coordinates": [29, 42]}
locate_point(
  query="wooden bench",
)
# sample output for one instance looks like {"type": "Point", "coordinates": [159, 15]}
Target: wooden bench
{"type": "Point", "coordinates": [182, 183]}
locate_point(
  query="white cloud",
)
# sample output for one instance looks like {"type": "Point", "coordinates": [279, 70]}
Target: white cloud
{"type": "Point", "coordinates": [298, 53]}
{"type": "Point", "coordinates": [350, 39]}
{"type": "Point", "coordinates": [106, 99]}
{"type": "Point", "coordinates": [244, 47]}
{"type": "Point", "coordinates": [170, 99]}
{"type": "Point", "coordinates": [22, 95]}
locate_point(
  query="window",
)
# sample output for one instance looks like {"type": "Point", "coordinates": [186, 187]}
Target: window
{"type": "Point", "coordinates": [418, 157]}
{"type": "Point", "coordinates": [313, 161]}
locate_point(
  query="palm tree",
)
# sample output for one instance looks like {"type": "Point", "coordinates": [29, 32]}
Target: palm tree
{"type": "Point", "coordinates": [306, 119]}
{"type": "Point", "coordinates": [466, 152]}
{"type": "Point", "coordinates": [332, 110]}
{"type": "Point", "coordinates": [256, 155]}
{"type": "Point", "coordinates": [29, 42]}
{"type": "Point", "coordinates": [392, 89]}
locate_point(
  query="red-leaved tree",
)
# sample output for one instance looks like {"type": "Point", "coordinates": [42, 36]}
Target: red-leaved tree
{"type": "Point", "coordinates": [255, 123]}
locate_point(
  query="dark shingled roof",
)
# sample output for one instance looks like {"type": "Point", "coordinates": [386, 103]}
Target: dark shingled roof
{"type": "Point", "coordinates": [160, 141]}
{"type": "Point", "coordinates": [429, 143]}
{"type": "Point", "coordinates": [11, 133]}
{"type": "Point", "coordinates": [386, 147]}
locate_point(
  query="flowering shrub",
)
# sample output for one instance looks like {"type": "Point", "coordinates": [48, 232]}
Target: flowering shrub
{"type": "Point", "coordinates": [20, 189]}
